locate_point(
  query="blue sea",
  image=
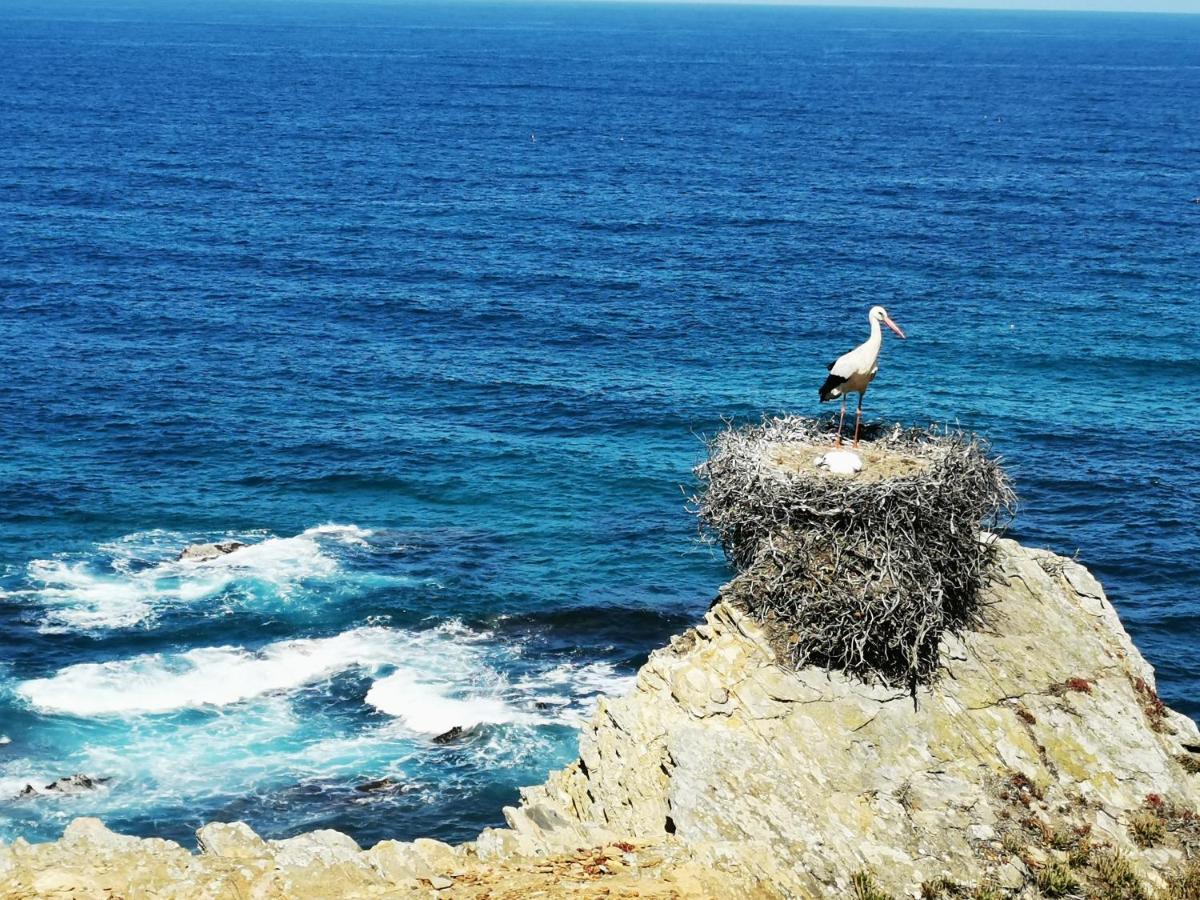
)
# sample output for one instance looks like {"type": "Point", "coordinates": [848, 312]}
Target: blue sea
{"type": "Point", "coordinates": [434, 304]}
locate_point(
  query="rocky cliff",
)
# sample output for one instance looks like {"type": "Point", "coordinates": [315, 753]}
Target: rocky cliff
{"type": "Point", "coordinates": [1040, 762]}
{"type": "Point", "coordinates": [1042, 736]}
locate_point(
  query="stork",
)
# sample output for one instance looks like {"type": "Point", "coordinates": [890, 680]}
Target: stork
{"type": "Point", "coordinates": [852, 372]}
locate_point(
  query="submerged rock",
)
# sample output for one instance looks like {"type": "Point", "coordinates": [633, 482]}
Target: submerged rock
{"type": "Point", "coordinates": [71, 784]}
{"type": "Point", "coordinates": [449, 737]}
{"type": "Point", "coordinates": [388, 785]}
{"type": "Point", "coordinates": [206, 552]}
{"type": "Point", "coordinates": [75, 784]}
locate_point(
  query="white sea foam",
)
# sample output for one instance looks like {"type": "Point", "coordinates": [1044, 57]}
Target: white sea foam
{"type": "Point", "coordinates": [588, 679]}
{"type": "Point", "coordinates": [347, 534]}
{"type": "Point", "coordinates": [282, 561]}
{"type": "Point", "coordinates": [209, 676]}
{"type": "Point", "coordinates": [469, 694]}
{"type": "Point", "coordinates": [129, 592]}
{"type": "Point", "coordinates": [438, 676]}
{"type": "Point", "coordinates": [12, 785]}
{"type": "Point", "coordinates": [259, 740]}
{"type": "Point", "coordinates": [572, 690]}
{"type": "Point", "coordinates": [229, 752]}
{"type": "Point", "coordinates": [79, 599]}
{"type": "Point", "coordinates": [430, 707]}
{"type": "Point", "coordinates": [166, 763]}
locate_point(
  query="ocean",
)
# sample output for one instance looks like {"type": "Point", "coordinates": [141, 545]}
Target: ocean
{"type": "Point", "coordinates": [434, 305]}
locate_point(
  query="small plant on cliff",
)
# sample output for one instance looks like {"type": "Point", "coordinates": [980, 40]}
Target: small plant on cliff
{"type": "Point", "coordinates": [1152, 706]}
{"type": "Point", "coordinates": [942, 888]}
{"type": "Point", "coordinates": [1075, 841]}
{"type": "Point", "coordinates": [945, 889]}
{"type": "Point", "coordinates": [1057, 880]}
{"type": "Point", "coordinates": [859, 575]}
{"type": "Point", "coordinates": [1075, 685]}
{"type": "Point", "coordinates": [1185, 884]}
{"type": "Point", "coordinates": [1014, 843]}
{"type": "Point", "coordinates": [1147, 828]}
{"type": "Point", "coordinates": [1117, 878]}
{"type": "Point", "coordinates": [1079, 854]}
{"type": "Point", "coordinates": [1026, 788]}
{"type": "Point", "coordinates": [864, 887]}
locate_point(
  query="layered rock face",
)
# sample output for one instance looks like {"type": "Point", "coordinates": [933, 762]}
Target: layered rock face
{"type": "Point", "coordinates": [1040, 752]}
{"type": "Point", "coordinates": [1043, 734]}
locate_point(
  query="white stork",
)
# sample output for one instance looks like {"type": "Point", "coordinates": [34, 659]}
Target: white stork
{"type": "Point", "coordinates": [853, 371]}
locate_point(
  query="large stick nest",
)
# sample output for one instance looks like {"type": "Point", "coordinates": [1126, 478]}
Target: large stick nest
{"type": "Point", "coordinates": [861, 574]}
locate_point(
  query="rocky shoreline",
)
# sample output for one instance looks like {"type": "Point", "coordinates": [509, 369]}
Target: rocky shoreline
{"type": "Point", "coordinates": [1040, 763]}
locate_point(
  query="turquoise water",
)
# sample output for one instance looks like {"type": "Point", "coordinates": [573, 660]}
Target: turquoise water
{"type": "Point", "coordinates": [433, 306]}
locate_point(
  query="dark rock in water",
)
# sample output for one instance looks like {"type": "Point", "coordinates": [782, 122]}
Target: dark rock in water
{"type": "Point", "coordinates": [447, 737]}
{"type": "Point", "coordinates": [71, 784]}
{"type": "Point", "coordinates": [205, 552]}
{"type": "Point", "coordinates": [75, 784]}
{"type": "Point", "coordinates": [387, 785]}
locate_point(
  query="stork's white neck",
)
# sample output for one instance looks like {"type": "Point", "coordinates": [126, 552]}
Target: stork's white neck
{"type": "Point", "coordinates": [875, 341]}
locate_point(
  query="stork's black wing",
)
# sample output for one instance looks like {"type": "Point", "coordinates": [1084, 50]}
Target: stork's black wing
{"type": "Point", "coordinates": [831, 389]}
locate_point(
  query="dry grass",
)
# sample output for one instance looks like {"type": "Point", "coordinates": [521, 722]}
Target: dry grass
{"type": "Point", "coordinates": [1185, 884]}
{"type": "Point", "coordinates": [879, 463]}
{"type": "Point", "coordinates": [860, 574]}
{"type": "Point", "coordinates": [946, 889]}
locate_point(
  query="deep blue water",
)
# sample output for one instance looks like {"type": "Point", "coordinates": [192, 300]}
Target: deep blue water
{"type": "Point", "coordinates": [433, 304]}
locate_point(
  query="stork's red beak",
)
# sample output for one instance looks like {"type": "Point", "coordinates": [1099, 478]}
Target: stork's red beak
{"type": "Point", "coordinates": [892, 325]}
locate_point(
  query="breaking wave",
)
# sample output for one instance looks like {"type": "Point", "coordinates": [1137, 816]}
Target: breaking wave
{"type": "Point", "coordinates": [430, 681]}
{"type": "Point", "coordinates": [430, 708]}
{"type": "Point", "coordinates": [208, 676]}
{"type": "Point", "coordinates": [139, 576]}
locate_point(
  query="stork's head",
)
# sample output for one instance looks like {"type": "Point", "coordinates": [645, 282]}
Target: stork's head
{"type": "Point", "coordinates": [879, 314]}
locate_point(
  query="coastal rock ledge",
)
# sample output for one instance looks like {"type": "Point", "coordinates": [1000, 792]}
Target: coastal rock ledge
{"type": "Point", "coordinates": [1040, 762]}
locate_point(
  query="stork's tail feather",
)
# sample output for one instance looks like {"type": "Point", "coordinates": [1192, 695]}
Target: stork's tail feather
{"type": "Point", "coordinates": [832, 388]}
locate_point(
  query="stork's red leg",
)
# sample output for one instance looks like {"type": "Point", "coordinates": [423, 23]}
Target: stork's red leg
{"type": "Point", "coordinates": [857, 419]}
{"type": "Point", "coordinates": [841, 420]}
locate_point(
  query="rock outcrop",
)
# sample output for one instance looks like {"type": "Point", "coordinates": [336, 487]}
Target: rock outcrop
{"type": "Point", "coordinates": [207, 552]}
{"type": "Point", "coordinates": [72, 784]}
{"type": "Point", "coordinates": [1039, 760]}
{"type": "Point", "coordinates": [1043, 734]}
